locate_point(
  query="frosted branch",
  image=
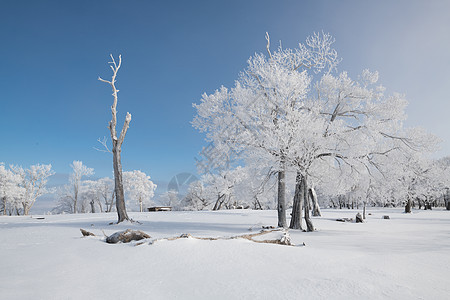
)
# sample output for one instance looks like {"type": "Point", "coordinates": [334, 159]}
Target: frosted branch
{"type": "Point", "coordinates": [268, 44]}
{"type": "Point", "coordinates": [104, 144]}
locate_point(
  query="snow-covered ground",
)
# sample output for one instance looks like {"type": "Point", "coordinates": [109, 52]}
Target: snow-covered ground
{"type": "Point", "coordinates": [406, 257]}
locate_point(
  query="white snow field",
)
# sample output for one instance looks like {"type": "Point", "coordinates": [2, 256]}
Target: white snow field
{"type": "Point", "coordinates": [406, 257]}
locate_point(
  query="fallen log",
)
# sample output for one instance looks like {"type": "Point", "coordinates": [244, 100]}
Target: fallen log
{"type": "Point", "coordinates": [127, 236]}
{"type": "Point", "coordinates": [345, 220]}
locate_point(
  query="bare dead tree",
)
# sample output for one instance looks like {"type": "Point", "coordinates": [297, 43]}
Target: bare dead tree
{"type": "Point", "coordinates": [117, 142]}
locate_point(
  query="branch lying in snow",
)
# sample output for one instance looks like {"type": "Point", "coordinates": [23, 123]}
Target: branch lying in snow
{"type": "Point", "coordinates": [86, 233]}
{"type": "Point", "coordinates": [285, 239]}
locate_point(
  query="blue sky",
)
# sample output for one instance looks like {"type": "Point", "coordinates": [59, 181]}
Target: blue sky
{"type": "Point", "coordinates": [53, 108]}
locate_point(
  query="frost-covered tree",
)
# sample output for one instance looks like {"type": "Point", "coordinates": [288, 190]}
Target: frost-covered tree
{"type": "Point", "coordinates": [107, 193]}
{"type": "Point", "coordinates": [11, 191]}
{"type": "Point", "coordinates": [171, 198]}
{"type": "Point", "coordinates": [257, 188]}
{"type": "Point", "coordinates": [278, 111]}
{"type": "Point", "coordinates": [253, 115]}
{"type": "Point", "coordinates": [117, 142]}
{"type": "Point", "coordinates": [197, 197]}
{"type": "Point", "coordinates": [139, 187]}
{"type": "Point", "coordinates": [343, 122]}
{"type": "Point", "coordinates": [91, 196]}
{"type": "Point", "coordinates": [33, 181]}
{"type": "Point", "coordinates": [220, 186]}
{"type": "Point", "coordinates": [78, 171]}
{"type": "Point", "coordinates": [440, 177]}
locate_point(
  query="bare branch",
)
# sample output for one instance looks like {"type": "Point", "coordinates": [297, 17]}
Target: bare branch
{"type": "Point", "coordinates": [103, 142]}
{"type": "Point", "coordinates": [268, 44]}
{"type": "Point", "coordinates": [126, 124]}
{"type": "Point", "coordinates": [103, 80]}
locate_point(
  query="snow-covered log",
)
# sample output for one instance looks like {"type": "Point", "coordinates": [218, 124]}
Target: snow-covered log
{"type": "Point", "coordinates": [126, 236]}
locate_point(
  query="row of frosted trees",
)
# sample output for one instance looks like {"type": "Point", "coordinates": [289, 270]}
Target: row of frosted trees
{"type": "Point", "coordinates": [20, 188]}
{"type": "Point", "coordinates": [82, 195]}
{"type": "Point", "coordinates": [245, 187]}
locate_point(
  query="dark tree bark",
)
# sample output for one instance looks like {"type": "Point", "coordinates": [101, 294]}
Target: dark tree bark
{"type": "Point", "coordinates": [359, 218]}
{"type": "Point", "coordinates": [306, 206]}
{"type": "Point", "coordinates": [256, 204]}
{"type": "Point", "coordinates": [120, 198]}
{"type": "Point", "coordinates": [408, 205]}
{"type": "Point", "coordinates": [296, 219]}
{"type": "Point", "coordinates": [92, 206]}
{"type": "Point", "coordinates": [282, 196]}
{"type": "Point", "coordinates": [219, 202]}
{"type": "Point", "coordinates": [364, 210]}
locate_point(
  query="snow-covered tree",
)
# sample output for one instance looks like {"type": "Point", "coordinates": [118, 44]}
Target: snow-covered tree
{"type": "Point", "coordinates": [106, 191]}
{"type": "Point", "coordinates": [33, 181]}
{"type": "Point", "coordinates": [78, 171]}
{"type": "Point", "coordinates": [252, 115]}
{"type": "Point", "coordinates": [139, 187]}
{"type": "Point", "coordinates": [91, 196]}
{"type": "Point", "coordinates": [220, 186]}
{"type": "Point", "coordinates": [70, 196]}
{"type": "Point", "coordinates": [171, 198]}
{"type": "Point", "coordinates": [342, 122]}
{"type": "Point", "coordinates": [197, 197]}
{"type": "Point", "coordinates": [277, 111]}
{"type": "Point", "coordinates": [11, 191]}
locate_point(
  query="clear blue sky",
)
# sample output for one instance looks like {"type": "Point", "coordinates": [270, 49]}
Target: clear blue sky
{"type": "Point", "coordinates": [53, 109]}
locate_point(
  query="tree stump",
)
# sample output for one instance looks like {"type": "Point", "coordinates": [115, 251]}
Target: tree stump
{"type": "Point", "coordinates": [359, 218]}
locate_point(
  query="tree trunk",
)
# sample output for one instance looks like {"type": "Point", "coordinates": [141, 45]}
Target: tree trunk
{"type": "Point", "coordinates": [408, 205]}
{"type": "Point", "coordinates": [219, 202]}
{"type": "Point", "coordinates": [120, 198]}
{"type": "Point", "coordinates": [110, 204]}
{"type": "Point", "coordinates": [296, 219]}
{"type": "Point", "coordinates": [315, 202]}
{"type": "Point", "coordinates": [282, 196]}
{"type": "Point", "coordinates": [92, 206]}
{"type": "Point", "coordinates": [257, 204]}
{"type": "Point", "coordinates": [75, 199]}
{"type": "Point", "coordinates": [117, 143]}
{"type": "Point", "coordinates": [309, 224]}
{"type": "Point", "coordinates": [4, 206]}
{"type": "Point", "coordinates": [364, 210]}
{"type": "Point", "coordinates": [26, 209]}
{"type": "Point", "coordinates": [100, 204]}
